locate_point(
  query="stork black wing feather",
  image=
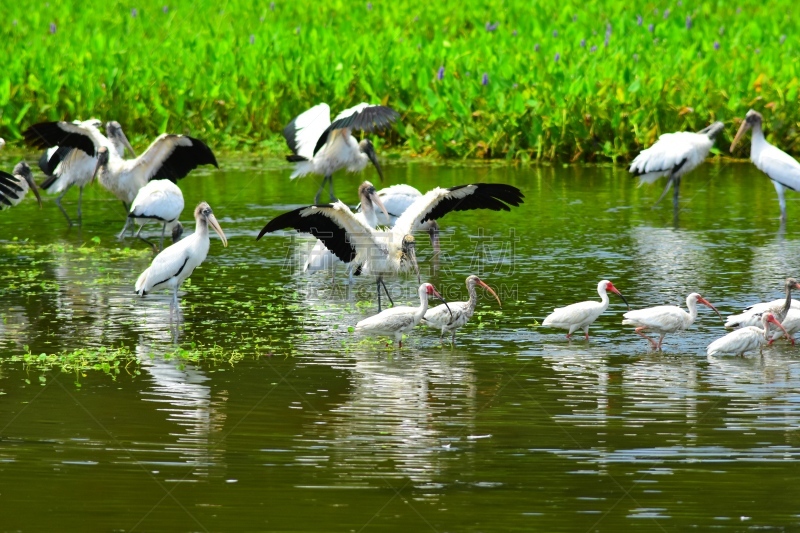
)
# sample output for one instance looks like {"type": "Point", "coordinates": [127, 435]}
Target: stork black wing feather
{"type": "Point", "coordinates": [184, 159]}
{"type": "Point", "coordinates": [8, 188]}
{"type": "Point", "coordinates": [49, 134]}
{"type": "Point", "coordinates": [317, 224]}
{"type": "Point", "coordinates": [494, 196]}
{"type": "Point", "coordinates": [48, 166]}
{"type": "Point", "coordinates": [290, 134]}
{"type": "Point", "coordinates": [369, 119]}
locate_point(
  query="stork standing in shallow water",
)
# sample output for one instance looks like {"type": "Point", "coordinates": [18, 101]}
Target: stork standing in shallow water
{"type": "Point", "coordinates": [384, 252]}
{"type": "Point", "coordinates": [177, 262]}
{"type": "Point", "coordinates": [752, 315]}
{"type": "Point", "coordinates": [14, 186]}
{"type": "Point", "coordinates": [158, 201]}
{"type": "Point", "coordinates": [581, 315]}
{"type": "Point", "coordinates": [320, 146]}
{"type": "Point", "coordinates": [780, 167]}
{"type": "Point", "coordinates": [449, 319]}
{"type": "Point", "coordinates": [665, 319]}
{"type": "Point", "coordinates": [674, 155]}
{"type": "Point", "coordinates": [401, 319]}
{"type": "Point", "coordinates": [746, 339]}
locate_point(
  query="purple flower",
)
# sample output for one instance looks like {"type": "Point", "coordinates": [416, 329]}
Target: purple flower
{"type": "Point", "coordinates": [297, 30]}
{"type": "Point", "coordinates": [485, 79]}
{"type": "Point", "coordinates": [721, 30]}
{"type": "Point", "coordinates": [758, 50]}
{"type": "Point", "coordinates": [14, 22]}
{"type": "Point", "coordinates": [639, 20]}
{"type": "Point", "coordinates": [782, 39]}
{"type": "Point", "coordinates": [52, 27]}
{"type": "Point", "coordinates": [655, 11]}
{"type": "Point", "coordinates": [666, 13]}
{"type": "Point", "coordinates": [688, 22]}
{"type": "Point", "coordinates": [369, 6]}
{"type": "Point", "coordinates": [583, 43]}
{"type": "Point", "coordinates": [636, 57]}
{"type": "Point", "coordinates": [440, 74]}
{"type": "Point", "coordinates": [491, 27]}
{"type": "Point", "coordinates": [272, 6]}
{"type": "Point", "coordinates": [252, 38]}
{"type": "Point", "coordinates": [165, 9]}
{"type": "Point", "coordinates": [134, 12]}
{"type": "Point", "coordinates": [574, 18]}
{"type": "Point", "coordinates": [593, 49]}
{"type": "Point", "coordinates": [651, 28]}
{"type": "Point", "coordinates": [555, 33]}
{"type": "Point", "coordinates": [514, 33]}
{"type": "Point", "coordinates": [557, 57]}
{"type": "Point", "coordinates": [716, 45]}
{"type": "Point", "coordinates": [608, 34]}
{"type": "Point", "coordinates": [536, 47]}
{"type": "Point", "coordinates": [738, 10]}
{"type": "Point", "coordinates": [515, 86]}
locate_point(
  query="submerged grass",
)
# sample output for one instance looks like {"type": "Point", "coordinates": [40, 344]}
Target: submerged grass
{"type": "Point", "coordinates": [578, 81]}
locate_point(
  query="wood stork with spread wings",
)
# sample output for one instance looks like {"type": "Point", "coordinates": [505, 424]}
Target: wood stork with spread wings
{"type": "Point", "coordinates": [664, 319]}
{"type": "Point", "coordinates": [782, 169]}
{"type": "Point", "coordinates": [674, 155]}
{"type": "Point", "coordinates": [581, 315]}
{"type": "Point", "coordinates": [449, 319]}
{"type": "Point", "coordinates": [381, 252]}
{"type": "Point", "coordinates": [158, 201]}
{"type": "Point", "coordinates": [749, 338]}
{"type": "Point", "coordinates": [66, 166]}
{"type": "Point", "coordinates": [14, 186]}
{"type": "Point", "coordinates": [322, 147]}
{"type": "Point", "coordinates": [177, 262]}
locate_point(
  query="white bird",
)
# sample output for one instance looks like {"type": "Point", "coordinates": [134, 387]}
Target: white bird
{"type": "Point", "coordinates": [177, 262]}
{"type": "Point", "coordinates": [322, 147]}
{"type": "Point", "coordinates": [782, 169]}
{"type": "Point", "coordinates": [752, 315]}
{"type": "Point", "coordinates": [14, 186]}
{"type": "Point", "coordinates": [674, 155]}
{"type": "Point", "coordinates": [320, 258]}
{"type": "Point", "coordinates": [2, 142]}
{"type": "Point", "coordinates": [383, 252]}
{"type": "Point", "coordinates": [665, 319]}
{"type": "Point", "coordinates": [159, 201]}
{"type": "Point", "coordinates": [581, 315]}
{"type": "Point", "coordinates": [65, 166]}
{"type": "Point", "coordinates": [791, 325]}
{"type": "Point", "coordinates": [746, 339]}
{"type": "Point", "coordinates": [398, 198]}
{"type": "Point", "coordinates": [449, 319]}
{"type": "Point", "coordinates": [401, 319]}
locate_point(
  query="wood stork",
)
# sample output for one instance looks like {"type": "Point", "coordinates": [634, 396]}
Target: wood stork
{"type": "Point", "coordinates": [381, 252]}
{"type": "Point", "coordinates": [159, 201]}
{"type": "Point", "coordinates": [665, 319]}
{"type": "Point", "coordinates": [581, 315]}
{"type": "Point", "coordinates": [449, 319]}
{"type": "Point", "coordinates": [14, 186]}
{"type": "Point", "coordinates": [401, 319]}
{"type": "Point", "coordinates": [177, 262]}
{"type": "Point", "coordinates": [782, 169]}
{"type": "Point", "coordinates": [322, 147]}
{"type": "Point", "coordinates": [752, 315]}
{"type": "Point", "coordinates": [169, 157]}
{"type": "Point", "coordinates": [65, 166]}
{"type": "Point", "coordinates": [320, 258]}
{"type": "Point", "coordinates": [790, 324]}
{"type": "Point", "coordinates": [674, 155]}
{"type": "Point", "coordinates": [398, 198]}
{"type": "Point", "coordinates": [746, 339]}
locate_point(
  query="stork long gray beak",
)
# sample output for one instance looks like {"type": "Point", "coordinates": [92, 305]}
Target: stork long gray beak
{"type": "Point", "coordinates": [127, 144]}
{"type": "Point", "coordinates": [374, 158]}
{"type": "Point", "coordinates": [212, 221]}
{"type": "Point", "coordinates": [413, 256]}
{"type": "Point", "coordinates": [739, 134]}
{"type": "Point", "coordinates": [433, 232]}
{"type": "Point", "coordinates": [34, 188]}
{"type": "Point", "coordinates": [377, 201]}
{"type": "Point", "coordinates": [96, 170]}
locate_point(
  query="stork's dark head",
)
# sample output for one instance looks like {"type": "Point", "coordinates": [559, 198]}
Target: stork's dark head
{"type": "Point", "coordinates": [752, 119]}
{"type": "Point", "coordinates": [117, 137]}
{"type": "Point", "coordinates": [368, 149]}
{"type": "Point", "coordinates": [23, 170]}
{"type": "Point", "coordinates": [368, 195]}
{"type": "Point", "coordinates": [102, 160]}
{"type": "Point", "coordinates": [713, 130]}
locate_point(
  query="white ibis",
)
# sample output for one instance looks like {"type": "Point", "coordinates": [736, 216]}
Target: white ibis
{"type": "Point", "coordinates": [65, 166]}
{"type": "Point", "coordinates": [449, 319]}
{"type": "Point", "coordinates": [177, 262]}
{"type": "Point", "coordinates": [383, 252]}
{"type": "Point", "coordinates": [790, 324]}
{"type": "Point", "coordinates": [779, 308]}
{"type": "Point", "coordinates": [14, 186]}
{"type": "Point", "coordinates": [401, 319]}
{"type": "Point", "coordinates": [746, 339]}
{"type": "Point", "coordinates": [665, 319]}
{"type": "Point", "coordinates": [398, 198]}
{"type": "Point", "coordinates": [581, 315]}
{"type": "Point", "coordinates": [780, 167]}
{"type": "Point", "coordinates": [320, 258]}
{"type": "Point", "coordinates": [674, 155]}
{"type": "Point", "coordinates": [160, 201]}
{"type": "Point", "coordinates": [322, 147]}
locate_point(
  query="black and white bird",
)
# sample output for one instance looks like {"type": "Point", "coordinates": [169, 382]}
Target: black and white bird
{"type": "Point", "coordinates": [780, 167]}
{"type": "Point", "coordinates": [674, 155]}
{"type": "Point", "coordinates": [14, 186]}
{"type": "Point", "coordinates": [65, 166]}
{"type": "Point", "coordinates": [177, 262]}
{"type": "Point", "coordinates": [159, 201]}
{"type": "Point", "coordinates": [382, 252]}
{"type": "Point", "coordinates": [398, 198]}
{"type": "Point", "coordinates": [322, 147]}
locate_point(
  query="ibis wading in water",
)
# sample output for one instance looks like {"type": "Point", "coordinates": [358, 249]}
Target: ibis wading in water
{"type": "Point", "coordinates": [14, 186]}
{"type": "Point", "coordinates": [380, 252]}
{"type": "Point", "coordinates": [752, 315]}
{"type": "Point", "coordinates": [674, 155]}
{"type": "Point", "coordinates": [582, 314]}
{"type": "Point", "coordinates": [177, 262]}
{"type": "Point", "coordinates": [322, 147]}
{"type": "Point", "coordinates": [401, 319]}
{"type": "Point", "coordinates": [665, 319]}
{"type": "Point", "coordinates": [748, 338]}
{"type": "Point", "coordinates": [450, 317]}
{"type": "Point", "coordinates": [780, 167]}
{"type": "Point", "coordinates": [159, 201]}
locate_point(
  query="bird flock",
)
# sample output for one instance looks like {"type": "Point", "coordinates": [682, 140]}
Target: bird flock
{"type": "Point", "coordinates": [378, 238]}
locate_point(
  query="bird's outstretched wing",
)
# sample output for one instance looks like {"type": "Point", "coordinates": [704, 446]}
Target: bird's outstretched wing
{"type": "Point", "coordinates": [303, 132]}
{"type": "Point", "coordinates": [82, 135]}
{"type": "Point", "coordinates": [172, 157]}
{"type": "Point", "coordinates": [363, 117]}
{"type": "Point", "coordinates": [9, 190]}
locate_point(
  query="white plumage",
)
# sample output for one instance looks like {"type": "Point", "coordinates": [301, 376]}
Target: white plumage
{"type": "Point", "coordinates": [398, 320]}
{"type": "Point", "coordinates": [397, 199]}
{"type": "Point", "coordinates": [791, 325]}
{"type": "Point", "coordinates": [452, 316]}
{"type": "Point", "coordinates": [782, 169]}
{"type": "Point", "coordinates": [673, 155]}
{"type": "Point", "coordinates": [581, 315]}
{"type": "Point", "coordinates": [746, 339]}
{"type": "Point", "coordinates": [15, 186]}
{"type": "Point", "coordinates": [159, 201]}
{"type": "Point", "coordinates": [752, 315]}
{"type": "Point", "coordinates": [665, 319]}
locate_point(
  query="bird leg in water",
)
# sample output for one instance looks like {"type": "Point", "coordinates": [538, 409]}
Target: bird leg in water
{"type": "Point", "coordinates": [379, 283]}
{"type": "Point", "coordinates": [64, 211]}
{"type": "Point", "coordinates": [163, 230]}
{"type": "Point", "coordinates": [124, 229]}
{"type": "Point", "coordinates": [319, 191]}
{"type": "Point", "coordinates": [675, 192]}
{"type": "Point", "coordinates": [330, 190]}
{"type": "Point", "coordinates": [666, 190]}
{"type": "Point", "coordinates": [639, 331]}
{"type": "Point", "coordinates": [139, 236]}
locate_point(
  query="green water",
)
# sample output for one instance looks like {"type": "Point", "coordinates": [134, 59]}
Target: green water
{"type": "Point", "coordinates": [289, 422]}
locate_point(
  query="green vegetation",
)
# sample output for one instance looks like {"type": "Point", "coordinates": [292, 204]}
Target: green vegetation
{"type": "Point", "coordinates": [579, 81]}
